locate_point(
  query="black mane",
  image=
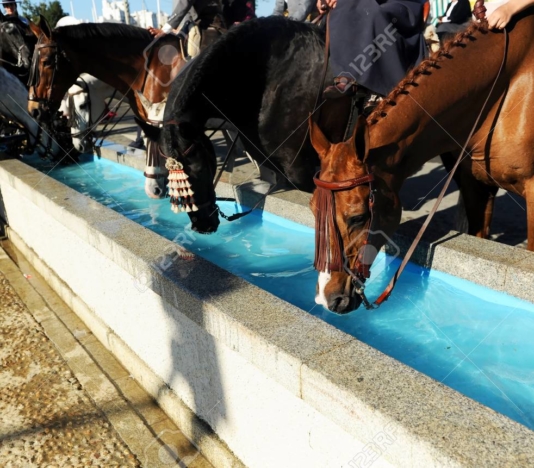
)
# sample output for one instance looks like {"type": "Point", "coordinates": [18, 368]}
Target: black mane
{"type": "Point", "coordinates": [262, 77]}
{"type": "Point", "coordinates": [111, 31]}
{"type": "Point", "coordinates": [243, 47]}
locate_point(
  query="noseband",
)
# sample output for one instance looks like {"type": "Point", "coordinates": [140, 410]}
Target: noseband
{"type": "Point", "coordinates": [329, 250]}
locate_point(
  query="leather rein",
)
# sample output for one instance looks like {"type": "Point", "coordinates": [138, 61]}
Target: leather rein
{"type": "Point", "coordinates": [328, 233]}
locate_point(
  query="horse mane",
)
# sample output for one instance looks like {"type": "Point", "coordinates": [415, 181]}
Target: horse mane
{"type": "Point", "coordinates": [205, 65]}
{"type": "Point", "coordinates": [424, 68]}
{"type": "Point", "coordinates": [112, 31]}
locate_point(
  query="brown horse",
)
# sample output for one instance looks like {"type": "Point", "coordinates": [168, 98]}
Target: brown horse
{"type": "Point", "coordinates": [128, 58]}
{"type": "Point", "coordinates": [431, 112]}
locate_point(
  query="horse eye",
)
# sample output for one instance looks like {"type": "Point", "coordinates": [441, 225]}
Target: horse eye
{"type": "Point", "coordinates": [358, 220]}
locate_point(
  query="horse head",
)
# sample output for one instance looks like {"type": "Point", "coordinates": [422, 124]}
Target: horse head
{"type": "Point", "coordinates": [17, 42]}
{"type": "Point", "coordinates": [188, 146]}
{"type": "Point", "coordinates": [356, 210]}
{"type": "Point", "coordinates": [51, 72]}
{"type": "Point", "coordinates": [84, 105]}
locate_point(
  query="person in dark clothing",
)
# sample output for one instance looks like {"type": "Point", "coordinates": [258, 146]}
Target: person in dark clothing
{"type": "Point", "coordinates": [458, 14]}
{"type": "Point", "coordinates": [11, 10]}
{"type": "Point", "coordinates": [373, 44]}
{"type": "Point", "coordinates": [206, 12]}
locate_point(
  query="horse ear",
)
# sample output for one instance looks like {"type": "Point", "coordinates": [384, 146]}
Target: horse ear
{"type": "Point", "coordinates": [318, 139]}
{"type": "Point", "coordinates": [35, 29]}
{"type": "Point", "coordinates": [45, 27]}
{"type": "Point", "coordinates": [361, 138]}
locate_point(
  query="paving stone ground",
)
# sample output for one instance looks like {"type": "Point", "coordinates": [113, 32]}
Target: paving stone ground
{"type": "Point", "coordinates": [54, 414]}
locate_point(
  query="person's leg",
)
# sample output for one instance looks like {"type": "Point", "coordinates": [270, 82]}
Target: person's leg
{"type": "Point", "coordinates": [138, 143]}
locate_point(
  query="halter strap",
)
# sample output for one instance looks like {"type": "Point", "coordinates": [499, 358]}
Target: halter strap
{"type": "Point", "coordinates": [329, 250]}
{"type": "Point", "coordinates": [344, 184]}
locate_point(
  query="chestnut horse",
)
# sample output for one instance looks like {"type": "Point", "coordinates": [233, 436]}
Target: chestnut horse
{"type": "Point", "coordinates": [128, 58]}
{"type": "Point", "coordinates": [430, 112]}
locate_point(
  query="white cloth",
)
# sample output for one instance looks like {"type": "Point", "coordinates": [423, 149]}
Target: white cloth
{"type": "Point", "coordinates": [445, 18]}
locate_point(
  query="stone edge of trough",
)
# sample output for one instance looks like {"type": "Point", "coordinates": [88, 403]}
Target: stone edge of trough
{"type": "Point", "coordinates": [362, 390]}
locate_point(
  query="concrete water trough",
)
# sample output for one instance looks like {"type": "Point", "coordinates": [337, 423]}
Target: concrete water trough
{"type": "Point", "coordinates": [251, 379]}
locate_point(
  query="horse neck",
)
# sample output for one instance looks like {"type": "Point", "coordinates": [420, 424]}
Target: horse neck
{"type": "Point", "coordinates": [435, 110]}
{"type": "Point", "coordinates": [122, 71]}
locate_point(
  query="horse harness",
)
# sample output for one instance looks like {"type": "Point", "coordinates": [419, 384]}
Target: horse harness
{"type": "Point", "coordinates": [19, 58]}
{"type": "Point", "coordinates": [154, 153]}
{"type": "Point", "coordinates": [328, 233]}
{"type": "Point", "coordinates": [35, 76]}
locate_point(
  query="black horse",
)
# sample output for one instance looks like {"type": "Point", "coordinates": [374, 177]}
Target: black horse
{"type": "Point", "coordinates": [263, 77]}
{"type": "Point", "coordinates": [17, 44]}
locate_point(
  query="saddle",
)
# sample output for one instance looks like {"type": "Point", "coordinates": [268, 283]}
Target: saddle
{"type": "Point", "coordinates": [202, 34]}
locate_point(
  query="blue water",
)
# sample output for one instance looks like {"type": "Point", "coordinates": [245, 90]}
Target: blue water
{"type": "Point", "coordinates": [471, 338]}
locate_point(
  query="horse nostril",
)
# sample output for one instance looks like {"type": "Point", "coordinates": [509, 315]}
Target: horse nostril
{"type": "Point", "coordinates": [340, 304]}
{"type": "Point", "coordinates": [157, 191]}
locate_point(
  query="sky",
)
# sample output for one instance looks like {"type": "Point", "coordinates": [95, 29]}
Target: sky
{"type": "Point", "coordinates": [82, 8]}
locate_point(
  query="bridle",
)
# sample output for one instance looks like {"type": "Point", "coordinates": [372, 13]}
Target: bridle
{"type": "Point", "coordinates": [155, 152]}
{"type": "Point", "coordinates": [35, 75]}
{"type": "Point", "coordinates": [19, 58]}
{"type": "Point", "coordinates": [330, 253]}
{"type": "Point", "coordinates": [328, 233]}
{"type": "Point", "coordinates": [19, 63]}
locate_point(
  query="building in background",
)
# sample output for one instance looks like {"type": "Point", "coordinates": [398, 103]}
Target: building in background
{"type": "Point", "coordinates": [115, 12]}
{"type": "Point", "coordinates": [119, 12]}
{"type": "Point", "coordinates": [144, 18]}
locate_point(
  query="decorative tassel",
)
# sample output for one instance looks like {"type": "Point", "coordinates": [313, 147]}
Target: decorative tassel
{"type": "Point", "coordinates": [179, 188]}
{"type": "Point", "coordinates": [328, 255]}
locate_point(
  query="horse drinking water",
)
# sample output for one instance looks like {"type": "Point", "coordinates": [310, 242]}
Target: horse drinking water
{"type": "Point", "coordinates": [283, 62]}
{"type": "Point", "coordinates": [432, 111]}
{"type": "Point", "coordinates": [127, 58]}
{"type": "Point", "coordinates": [84, 105]}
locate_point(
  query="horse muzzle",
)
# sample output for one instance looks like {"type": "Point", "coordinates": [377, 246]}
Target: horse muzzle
{"type": "Point", "coordinates": [205, 221]}
{"type": "Point", "coordinates": [155, 188]}
{"type": "Point", "coordinates": [343, 304]}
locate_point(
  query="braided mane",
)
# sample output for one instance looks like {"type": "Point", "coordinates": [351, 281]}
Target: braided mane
{"type": "Point", "coordinates": [425, 67]}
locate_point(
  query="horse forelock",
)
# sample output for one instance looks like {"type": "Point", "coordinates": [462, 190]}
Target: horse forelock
{"type": "Point", "coordinates": [414, 77]}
